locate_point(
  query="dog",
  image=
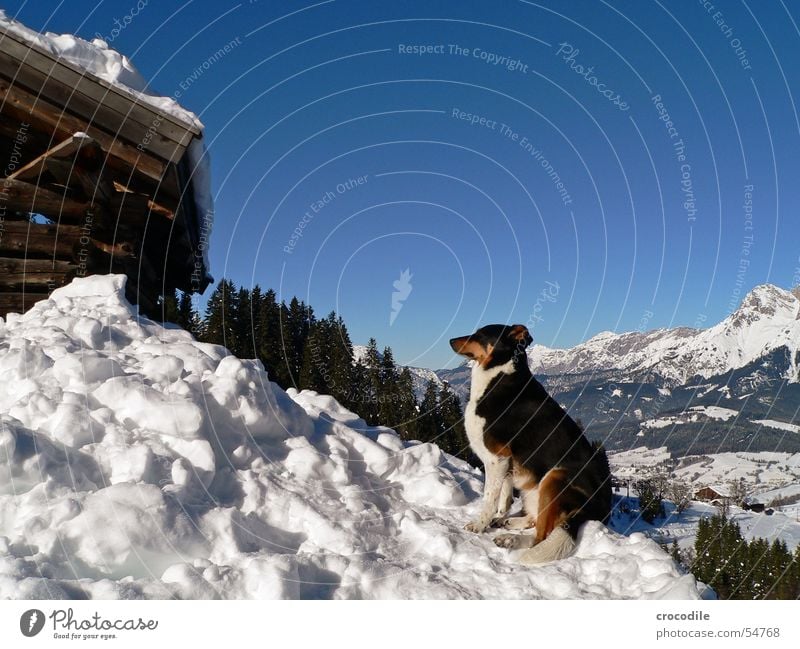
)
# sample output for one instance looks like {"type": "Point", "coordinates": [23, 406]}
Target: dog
{"type": "Point", "coordinates": [526, 440]}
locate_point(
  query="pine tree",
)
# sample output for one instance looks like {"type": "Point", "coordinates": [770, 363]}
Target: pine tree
{"type": "Point", "coordinates": [372, 365]}
{"type": "Point", "coordinates": [358, 392]}
{"type": "Point", "coordinates": [186, 314]}
{"type": "Point", "coordinates": [429, 427]}
{"type": "Point", "coordinates": [651, 503]}
{"type": "Point", "coordinates": [406, 406]}
{"type": "Point", "coordinates": [220, 311]}
{"type": "Point", "coordinates": [269, 342]}
{"type": "Point", "coordinates": [298, 319]}
{"type": "Point", "coordinates": [341, 355]}
{"type": "Point", "coordinates": [454, 438]}
{"type": "Point", "coordinates": [243, 329]}
{"type": "Point", "coordinates": [388, 389]}
{"type": "Point", "coordinates": [315, 372]}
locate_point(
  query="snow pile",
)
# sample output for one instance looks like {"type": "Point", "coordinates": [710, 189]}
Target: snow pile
{"type": "Point", "coordinates": [137, 462]}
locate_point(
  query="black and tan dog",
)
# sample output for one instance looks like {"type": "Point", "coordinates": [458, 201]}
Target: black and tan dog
{"type": "Point", "coordinates": [527, 440]}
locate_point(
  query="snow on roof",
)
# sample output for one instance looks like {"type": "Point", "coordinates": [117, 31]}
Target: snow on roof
{"type": "Point", "coordinates": [97, 58]}
{"type": "Point", "coordinates": [139, 462]}
{"type": "Point", "coordinates": [100, 60]}
{"type": "Point", "coordinates": [719, 489]}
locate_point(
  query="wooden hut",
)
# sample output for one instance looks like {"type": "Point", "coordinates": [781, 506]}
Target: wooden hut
{"type": "Point", "coordinates": [93, 180]}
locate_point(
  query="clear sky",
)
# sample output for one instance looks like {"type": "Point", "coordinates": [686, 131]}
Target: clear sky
{"type": "Point", "coordinates": [577, 167]}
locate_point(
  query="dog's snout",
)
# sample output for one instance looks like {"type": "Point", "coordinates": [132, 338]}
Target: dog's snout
{"type": "Point", "coordinates": [458, 343]}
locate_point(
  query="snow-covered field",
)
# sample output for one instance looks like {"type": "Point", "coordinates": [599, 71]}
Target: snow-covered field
{"type": "Point", "coordinates": [137, 462]}
{"type": "Point", "coordinates": [762, 472]}
{"type": "Point", "coordinates": [765, 475]}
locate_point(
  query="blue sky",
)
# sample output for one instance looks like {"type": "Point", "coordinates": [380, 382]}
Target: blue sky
{"type": "Point", "coordinates": [516, 157]}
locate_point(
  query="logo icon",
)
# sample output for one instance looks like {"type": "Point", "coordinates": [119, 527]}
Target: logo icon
{"type": "Point", "coordinates": [31, 622]}
{"type": "Point", "coordinates": [402, 289]}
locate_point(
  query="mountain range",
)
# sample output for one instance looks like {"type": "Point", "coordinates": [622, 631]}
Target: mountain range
{"type": "Point", "coordinates": [731, 387]}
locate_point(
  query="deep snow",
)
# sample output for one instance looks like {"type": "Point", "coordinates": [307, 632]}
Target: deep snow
{"type": "Point", "coordinates": [138, 462]}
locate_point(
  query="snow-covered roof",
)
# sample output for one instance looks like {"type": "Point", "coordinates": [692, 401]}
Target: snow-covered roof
{"type": "Point", "coordinates": [95, 57]}
{"type": "Point", "coordinates": [124, 91]}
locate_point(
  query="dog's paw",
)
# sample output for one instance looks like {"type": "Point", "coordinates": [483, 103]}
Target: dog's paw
{"type": "Point", "coordinates": [476, 526]}
{"type": "Point", "coordinates": [498, 522]}
{"type": "Point", "coordinates": [510, 541]}
{"type": "Point", "coordinates": [518, 523]}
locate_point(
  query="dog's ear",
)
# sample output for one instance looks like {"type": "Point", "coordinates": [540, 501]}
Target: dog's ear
{"type": "Point", "coordinates": [521, 335]}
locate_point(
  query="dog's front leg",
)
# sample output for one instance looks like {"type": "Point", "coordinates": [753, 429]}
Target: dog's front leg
{"type": "Point", "coordinates": [496, 472]}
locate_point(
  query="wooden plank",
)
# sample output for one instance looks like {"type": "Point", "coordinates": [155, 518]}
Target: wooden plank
{"type": "Point", "coordinates": [29, 239]}
{"type": "Point", "coordinates": [26, 107]}
{"type": "Point", "coordinates": [98, 89]}
{"type": "Point", "coordinates": [36, 274]}
{"type": "Point", "coordinates": [139, 207]}
{"type": "Point", "coordinates": [18, 302]}
{"type": "Point", "coordinates": [28, 197]}
{"type": "Point", "coordinates": [93, 111]}
{"type": "Point", "coordinates": [68, 149]}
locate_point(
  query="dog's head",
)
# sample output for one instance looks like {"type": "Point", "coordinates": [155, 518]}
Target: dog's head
{"type": "Point", "coordinates": [493, 345]}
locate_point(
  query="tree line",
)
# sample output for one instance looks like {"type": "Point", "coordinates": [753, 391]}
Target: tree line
{"type": "Point", "coordinates": [303, 351]}
{"type": "Point", "coordinates": [740, 569]}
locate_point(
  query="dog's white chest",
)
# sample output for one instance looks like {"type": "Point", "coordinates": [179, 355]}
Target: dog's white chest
{"type": "Point", "coordinates": [474, 424]}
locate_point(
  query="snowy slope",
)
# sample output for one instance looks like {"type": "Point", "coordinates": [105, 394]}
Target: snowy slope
{"type": "Point", "coordinates": [767, 319]}
{"type": "Point", "coordinates": [137, 462]}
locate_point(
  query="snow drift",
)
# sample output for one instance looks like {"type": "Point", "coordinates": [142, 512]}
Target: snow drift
{"type": "Point", "coordinates": [137, 462]}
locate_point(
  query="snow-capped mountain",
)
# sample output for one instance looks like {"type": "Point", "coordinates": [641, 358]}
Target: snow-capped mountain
{"type": "Point", "coordinates": [616, 383]}
{"type": "Point", "coordinates": [767, 319]}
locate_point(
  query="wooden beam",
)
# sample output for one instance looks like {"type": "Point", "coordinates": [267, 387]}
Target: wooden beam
{"type": "Point", "coordinates": [30, 108]}
{"type": "Point", "coordinates": [27, 197]}
{"type": "Point", "coordinates": [28, 58]}
{"type": "Point", "coordinates": [67, 150]}
{"type": "Point", "coordinates": [18, 302]}
{"type": "Point", "coordinates": [37, 274]}
{"type": "Point", "coordinates": [25, 238]}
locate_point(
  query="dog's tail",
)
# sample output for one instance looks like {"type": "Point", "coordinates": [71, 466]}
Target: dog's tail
{"type": "Point", "coordinates": [559, 544]}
